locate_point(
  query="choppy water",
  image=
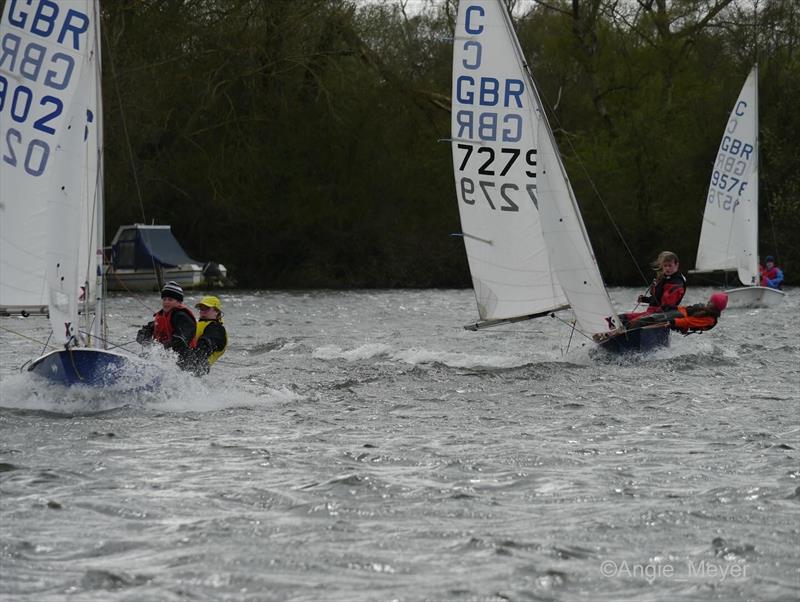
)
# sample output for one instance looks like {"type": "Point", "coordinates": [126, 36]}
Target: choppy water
{"type": "Point", "coordinates": [362, 446]}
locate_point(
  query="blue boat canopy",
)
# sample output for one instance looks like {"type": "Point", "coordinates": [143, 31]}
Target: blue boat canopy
{"type": "Point", "coordinates": [140, 247]}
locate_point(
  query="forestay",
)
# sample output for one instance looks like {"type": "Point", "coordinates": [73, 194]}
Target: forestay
{"type": "Point", "coordinates": [495, 161]}
{"type": "Point", "coordinates": [729, 235]}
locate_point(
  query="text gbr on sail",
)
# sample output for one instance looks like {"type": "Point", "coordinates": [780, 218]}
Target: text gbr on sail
{"type": "Point", "coordinates": [486, 92]}
{"type": "Point", "coordinates": [36, 108]}
{"type": "Point", "coordinates": [729, 178]}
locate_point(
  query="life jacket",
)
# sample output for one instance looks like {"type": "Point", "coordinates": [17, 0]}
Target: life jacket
{"type": "Point", "coordinates": [668, 291]}
{"type": "Point", "coordinates": [693, 316]}
{"type": "Point", "coordinates": [162, 325]}
{"type": "Point", "coordinates": [770, 274]}
{"type": "Point", "coordinates": [201, 326]}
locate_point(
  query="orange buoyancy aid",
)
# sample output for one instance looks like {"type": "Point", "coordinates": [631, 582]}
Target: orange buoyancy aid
{"type": "Point", "coordinates": [696, 318]}
{"type": "Point", "coordinates": [162, 325]}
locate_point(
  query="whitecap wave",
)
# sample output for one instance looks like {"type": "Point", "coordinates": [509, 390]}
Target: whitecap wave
{"type": "Point", "coordinates": [362, 352]}
{"type": "Point", "coordinates": [421, 356]}
{"type": "Point", "coordinates": [174, 391]}
{"type": "Point", "coordinates": [417, 356]}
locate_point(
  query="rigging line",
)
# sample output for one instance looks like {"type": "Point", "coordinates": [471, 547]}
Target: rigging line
{"type": "Point", "coordinates": [131, 292]}
{"type": "Point", "coordinates": [573, 326]}
{"type": "Point", "coordinates": [129, 146]}
{"type": "Point", "coordinates": [588, 177]}
{"type": "Point", "coordinates": [47, 343]}
{"type": "Point", "coordinates": [92, 251]}
{"type": "Point", "coordinates": [72, 362]}
{"type": "Point", "coordinates": [605, 207]}
{"type": "Point", "coordinates": [128, 143]}
{"type": "Point", "coordinates": [108, 342]}
{"type": "Point", "coordinates": [124, 123]}
{"type": "Point", "coordinates": [774, 236]}
{"type": "Point", "coordinates": [24, 336]}
{"type": "Point", "coordinates": [571, 333]}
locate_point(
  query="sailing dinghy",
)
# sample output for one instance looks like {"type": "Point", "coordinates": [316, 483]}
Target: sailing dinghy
{"type": "Point", "coordinates": [729, 235]}
{"type": "Point", "coordinates": [51, 184]}
{"type": "Point", "coordinates": [526, 243]}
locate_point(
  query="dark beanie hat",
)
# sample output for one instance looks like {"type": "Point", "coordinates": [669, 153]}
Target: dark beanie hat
{"type": "Point", "coordinates": [173, 290]}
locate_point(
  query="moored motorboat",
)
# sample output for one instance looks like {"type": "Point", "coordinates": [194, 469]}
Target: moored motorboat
{"type": "Point", "coordinates": [143, 257]}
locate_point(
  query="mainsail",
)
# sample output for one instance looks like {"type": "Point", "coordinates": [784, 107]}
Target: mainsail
{"type": "Point", "coordinates": [26, 143]}
{"type": "Point", "coordinates": [729, 235]}
{"type": "Point", "coordinates": [51, 107]}
{"type": "Point", "coordinates": [49, 128]}
{"type": "Point", "coordinates": [526, 243]}
{"type": "Point", "coordinates": [495, 161]}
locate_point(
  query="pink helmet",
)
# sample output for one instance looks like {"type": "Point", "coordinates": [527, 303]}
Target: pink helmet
{"type": "Point", "coordinates": [719, 300]}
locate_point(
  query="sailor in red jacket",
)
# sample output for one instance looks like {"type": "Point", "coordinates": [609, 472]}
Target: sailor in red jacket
{"type": "Point", "coordinates": [694, 318]}
{"type": "Point", "coordinates": [666, 291]}
{"type": "Point", "coordinates": [173, 325]}
{"type": "Point", "coordinates": [771, 274]}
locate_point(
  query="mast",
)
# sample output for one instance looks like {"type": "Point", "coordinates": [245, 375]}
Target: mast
{"type": "Point", "coordinates": [99, 326]}
{"type": "Point", "coordinates": [754, 260]}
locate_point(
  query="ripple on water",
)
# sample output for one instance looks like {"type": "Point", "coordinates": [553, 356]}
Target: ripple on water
{"type": "Point", "coordinates": [359, 445]}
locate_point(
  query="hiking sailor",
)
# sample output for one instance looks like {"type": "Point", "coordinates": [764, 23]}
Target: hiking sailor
{"type": "Point", "coordinates": [173, 325]}
{"type": "Point", "coordinates": [210, 336]}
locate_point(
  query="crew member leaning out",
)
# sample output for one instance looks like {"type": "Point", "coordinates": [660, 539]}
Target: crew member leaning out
{"type": "Point", "coordinates": [690, 318]}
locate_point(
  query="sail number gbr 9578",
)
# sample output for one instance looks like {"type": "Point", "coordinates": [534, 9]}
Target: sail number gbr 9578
{"type": "Point", "coordinates": [36, 79]}
{"type": "Point", "coordinates": [735, 159]}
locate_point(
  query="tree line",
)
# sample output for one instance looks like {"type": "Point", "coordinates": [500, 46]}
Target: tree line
{"type": "Point", "coordinates": [300, 142]}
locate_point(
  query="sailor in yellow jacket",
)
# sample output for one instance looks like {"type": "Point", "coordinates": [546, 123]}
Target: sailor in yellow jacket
{"type": "Point", "coordinates": [211, 337]}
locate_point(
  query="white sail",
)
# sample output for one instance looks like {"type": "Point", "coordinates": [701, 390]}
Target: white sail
{"type": "Point", "coordinates": [495, 161]}
{"type": "Point", "coordinates": [46, 126]}
{"type": "Point", "coordinates": [568, 242]}
{"type": "Point", "coordinates": [523, 229]}
{"type": "Point", "coordinates": [25, 181]}
{"type": "Point", "coordinates": [729, 235]}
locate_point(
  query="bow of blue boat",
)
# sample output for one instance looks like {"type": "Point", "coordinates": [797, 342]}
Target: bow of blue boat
{"type": "Point", "coordinates": [95, 368]}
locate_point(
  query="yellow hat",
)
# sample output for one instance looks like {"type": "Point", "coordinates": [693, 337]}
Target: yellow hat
{"type": "Point", "coordinates": [210, 301]}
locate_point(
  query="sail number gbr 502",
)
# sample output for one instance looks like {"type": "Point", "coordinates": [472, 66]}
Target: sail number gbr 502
{"type": "Point", "coordinates": [494, 164]}
{"type": "Point", "coordinates": [38, 78]}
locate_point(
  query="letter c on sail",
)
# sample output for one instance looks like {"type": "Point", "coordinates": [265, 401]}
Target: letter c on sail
{"type": "Point", "coordinates": [477, 61]}
{"type": "Point", "coordinates": [478, 29]}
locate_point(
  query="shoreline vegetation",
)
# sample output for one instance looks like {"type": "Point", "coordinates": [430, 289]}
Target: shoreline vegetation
{"type": "Point", "coordinates": [304, 144]}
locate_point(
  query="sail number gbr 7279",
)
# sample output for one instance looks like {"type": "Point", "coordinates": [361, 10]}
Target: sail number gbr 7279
{"type": "Point", "coordinates": [494, 146]}
{"type": "Point", "coordinates": [506, 196]}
